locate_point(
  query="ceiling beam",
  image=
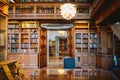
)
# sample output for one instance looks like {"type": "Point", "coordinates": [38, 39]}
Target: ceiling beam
{"type": "Point", "coordinates": [104, 9]}
{"type": "Point", "coordinates": [96, 8]}
{"type": "Point", "coordinates": [115, 4]}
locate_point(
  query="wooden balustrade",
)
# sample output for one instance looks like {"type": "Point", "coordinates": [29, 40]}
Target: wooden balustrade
{"type": "Point", "coordinates": [45, 11]}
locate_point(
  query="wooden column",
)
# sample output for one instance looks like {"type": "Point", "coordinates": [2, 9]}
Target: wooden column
{"type": "Point", "coordinates": [70, 41]}
{"type": "Point", "coordinates": [103, 40]}
{"type": "Point", "coordinates": [43, 48]}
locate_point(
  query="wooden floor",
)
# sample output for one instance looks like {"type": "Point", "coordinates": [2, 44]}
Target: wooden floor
{"type": "Point", "coordinates": [55, 71]}
{"type": "Point", "coordinates": [62, 74]}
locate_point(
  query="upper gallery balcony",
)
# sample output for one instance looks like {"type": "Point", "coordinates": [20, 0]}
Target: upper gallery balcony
{"type": "Point", "coordinates": [45, 10]}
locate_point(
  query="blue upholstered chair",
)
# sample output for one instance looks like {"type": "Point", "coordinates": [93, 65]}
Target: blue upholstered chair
{"type": "Point", "coordinates": [69, 63]}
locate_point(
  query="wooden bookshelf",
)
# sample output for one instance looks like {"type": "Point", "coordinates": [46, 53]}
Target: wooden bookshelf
{"type": "Point", "coordinates": [3, 29]}
{"type": "Point", "coordinates": [13, 38]}
{"type": "Point", "coordinates": [63, 46]}
{"type": "Point", "coordinates": [23, 43]}
{"type": "Point", "coordinates": [52, 48]}
{"type": "Point", "coordinates": [85, 38]}
{"type": "Point", "coordinates": [93, 40]}
{"type": "Point", "coordinates": [82, 37]}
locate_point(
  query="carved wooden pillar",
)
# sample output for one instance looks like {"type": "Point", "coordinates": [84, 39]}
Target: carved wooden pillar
{"type": "Point", "coordinates": [104, 40]}
{"type": "Point", "coordinates": [43, 48]}
{"type": "Point", "coordinates": [70, 41]}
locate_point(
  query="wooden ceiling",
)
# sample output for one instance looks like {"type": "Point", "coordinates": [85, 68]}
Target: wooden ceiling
{"type": "Point", "coordinates": [54, 1]}
{"type": "Point", "coordinates": [106, 11]}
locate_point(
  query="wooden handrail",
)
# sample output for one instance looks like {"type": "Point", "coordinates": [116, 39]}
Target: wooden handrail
{"type": "Point", "coordinates": [38, 11]}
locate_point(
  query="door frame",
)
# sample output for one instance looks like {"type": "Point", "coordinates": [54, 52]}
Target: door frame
{"type": "Point", "coordinates": [70, 43]}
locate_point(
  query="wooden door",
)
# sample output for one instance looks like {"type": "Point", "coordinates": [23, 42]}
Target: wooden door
{"type": "Point", "coordinates": [43, 48]}
{"type": "Point", "coordinates": [70, 41]}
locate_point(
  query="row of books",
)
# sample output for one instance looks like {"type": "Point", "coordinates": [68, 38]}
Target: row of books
{"type": "Point", "coordinates": [33, 50]}
{"type": "Point", "coordinates": [46, 10]}
{"type": "Point", "coordinates": [83, 41]}
{"type": "Point", "coordinates": [34, 30]}
{"type": "Point", "coordinates": [58, 11]}
{"type": "Point", "coordinates": [93, 40]}
{"type": "Point", "coordinates": [83, 10]}
{"type": "Point", "coordinates": [22, 50]}
{"type": "Point", "coordinates": [34, 41]}
{"type": "Point", "coordinates": [29, 30]}
{"type": "Point", "coordinates": [81, 45]}
{"type": "Point", "coordinates": [8, 45]}
{"type": "Point", "coordinates": [8, 36]}
{"type": "Point", "coordinates": [9, 41]}
{"type": "Point", "coordinates": [23, 30]}
{"type": "Point", "coordinates": [13, 31]}
{"type": "Point", "coordinates": [33, 35]}
{"type": "Point", "coordinates": [34, 45]}
{"type": "Point", "coordinates": [10, 10]}
{"type": "Point", "coordinates": [25, 36]}
{"type": "Point", "coordinates": [15, 36]}
{"type": "Point", "coordinates": [9, 50]}
{"type": "Point", "coordinates": [25, 45]}
{"type": "Point", "coordinates": [25, 50]}
{"type": "Point", "coordinates": [24, 9]}
{"type": "Point", "coordinates": [30, 9]}
{"type": "Point", "coordinates": [78, 41]}
{"type": "Point", "coordinates": [15, 46]}
{"type": "Point", "coordinates": [79, 35]}
{"type": "Point", "coordinates": [93, 36]}
{"type": "Point", "coordinates": [85, 35]}
{"type": "Point", "coordinates": [91, 45]}
{"type": "Point", "coordinates": [13, 26]}
{"type": "Point", "coordinates": [24, 41]}
{"type": "Point", "coordinates": [15, 50]}
{"type": "Point", "coordinates": [14, 41]}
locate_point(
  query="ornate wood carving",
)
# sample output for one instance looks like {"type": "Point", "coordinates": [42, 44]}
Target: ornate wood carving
{"type": "Point", "coordinates": [43, 48]}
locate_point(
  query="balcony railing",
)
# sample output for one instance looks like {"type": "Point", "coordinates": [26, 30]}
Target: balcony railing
{"type": "Point", "coordinates": [44, 11]}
